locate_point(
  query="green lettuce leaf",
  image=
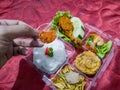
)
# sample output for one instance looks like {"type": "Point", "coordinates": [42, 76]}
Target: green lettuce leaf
{"type": "Point", "coordinates": [63, 37]}
{"type": "Point", "coordinates": [58, 15]}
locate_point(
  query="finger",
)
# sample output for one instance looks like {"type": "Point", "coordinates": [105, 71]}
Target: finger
{"type": "Point", "coordinates": [20, 50]}
{"type": "Point", "coordinates": [15, 28]}
{"type": "Point", "coordinates": [9, 52]}
{"type": "Point", "coordinates": [9, 22]}
{"type": "Point", "coordinates": [12, 22]}
{"type": "Point", "coordinates": [27, 42]}
{"type": "Point", "coordinates": [14, 31]}
{"type": "Point", "coordinates": [3, 60]}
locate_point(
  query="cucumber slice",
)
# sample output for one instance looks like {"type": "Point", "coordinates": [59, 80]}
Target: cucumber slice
{"type": "Point", "coordinates": [78, 30]}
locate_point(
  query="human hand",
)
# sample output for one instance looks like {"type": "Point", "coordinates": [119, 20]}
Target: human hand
{"type": "Point", "coordinates": [11, 44]}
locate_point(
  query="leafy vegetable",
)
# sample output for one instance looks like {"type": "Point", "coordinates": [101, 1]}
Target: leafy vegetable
{"type": "Point", "coordinates": [58, 15]}
{"type": "Point", "coordinates": [90, 40]}
{"type": "Point", "coordinates": [80, 36]}
{"type": "Point", "coordinates": [82, 28]}
{"type": "Point", "coordinates": [64, 37]}
{"type": "Point", "coordinates": [61, 75]}
{"type": "Point", "coordinates": [102, 50]}
{"type": "Point", "coordinates": [51, 52]}
{"type": "Point", "coordinates": [55, 22]}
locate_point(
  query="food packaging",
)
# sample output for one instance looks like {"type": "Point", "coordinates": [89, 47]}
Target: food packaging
{"type": "Point", "coordinates": [91, 81]}
{"type": "Point", "coordinates": [62, 51]}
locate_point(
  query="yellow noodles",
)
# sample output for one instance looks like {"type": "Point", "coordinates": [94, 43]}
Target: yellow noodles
{"type": "Point", "coordinates": [61, 83]}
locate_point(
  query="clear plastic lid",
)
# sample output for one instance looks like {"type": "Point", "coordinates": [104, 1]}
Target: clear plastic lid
{"type": "Point", "coordinates": [90, 80]}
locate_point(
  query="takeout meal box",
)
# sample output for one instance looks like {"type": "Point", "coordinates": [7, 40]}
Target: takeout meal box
{"type": "Point", "coordinates": [90, 80]}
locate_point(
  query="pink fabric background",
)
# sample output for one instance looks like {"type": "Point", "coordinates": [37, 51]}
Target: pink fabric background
{"type": "Point", "coordinates": [17, 74]}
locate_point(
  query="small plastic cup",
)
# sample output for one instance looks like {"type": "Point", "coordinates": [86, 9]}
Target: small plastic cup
{"type": "Point", "coordinates": [47, 27]}
{"type": "Point", "coordinates": [47, 30]}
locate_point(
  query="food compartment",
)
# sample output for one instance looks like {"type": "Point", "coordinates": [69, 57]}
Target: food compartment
{"type": "Point", "coordinates": [90, 62]}
{"type": "Point", "coordinates": [87, 63]}
{"type": "Point", "coordinates": [68, 78]}
{"type": "Point", "coordinates": [50, 63]}
{"type": "Point", "coordinates": [98, 42]}
{"type": "Point", "coordinates": [70, 28]}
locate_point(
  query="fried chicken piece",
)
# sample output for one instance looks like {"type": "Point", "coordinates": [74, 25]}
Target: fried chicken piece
{"type": "Point", "coordinates": [77, 42]}
{"type": "Point", "coordinates": [67, 28]}
{"type": "Point", "coordinates": [65, 23]}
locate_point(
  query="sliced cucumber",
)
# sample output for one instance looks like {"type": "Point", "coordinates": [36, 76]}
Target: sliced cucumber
{"type": "Point", "coordinates": [78, 30]}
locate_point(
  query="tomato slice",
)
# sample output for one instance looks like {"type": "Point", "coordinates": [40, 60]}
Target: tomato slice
{"type": "Point", "coordinates": [47, 51]}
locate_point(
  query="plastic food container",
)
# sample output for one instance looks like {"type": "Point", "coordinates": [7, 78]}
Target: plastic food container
{"type": "Point", "coordinates": [90, 81]}
{"type": "Point", "coordinates": [62, 52]}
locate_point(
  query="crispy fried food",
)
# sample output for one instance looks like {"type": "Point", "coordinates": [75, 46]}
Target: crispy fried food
{"type": "Point", "coordinates": [67, 28]}
{"type": "Point", "coordinates": [88, 62]}
{"type": "Point", "coordinates": [77, 42]}
{"type": "Point", "coordinates": [47, 36]}
{"type": "Point", "coordinates": [65, 23]}
{"type": "Point", "coordinates": [61, 83]}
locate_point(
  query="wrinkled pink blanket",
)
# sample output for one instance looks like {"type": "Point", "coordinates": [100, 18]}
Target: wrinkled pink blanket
{"type": "Point", "coordinates": [17, 74]}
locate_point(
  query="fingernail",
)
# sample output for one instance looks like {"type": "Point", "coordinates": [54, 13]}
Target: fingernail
{"type": "Point", "coordinates": [40, 43]}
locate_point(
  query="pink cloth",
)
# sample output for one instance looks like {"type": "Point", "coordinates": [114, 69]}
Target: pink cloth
{"type": "Point", "coordinates": [17, 74]}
